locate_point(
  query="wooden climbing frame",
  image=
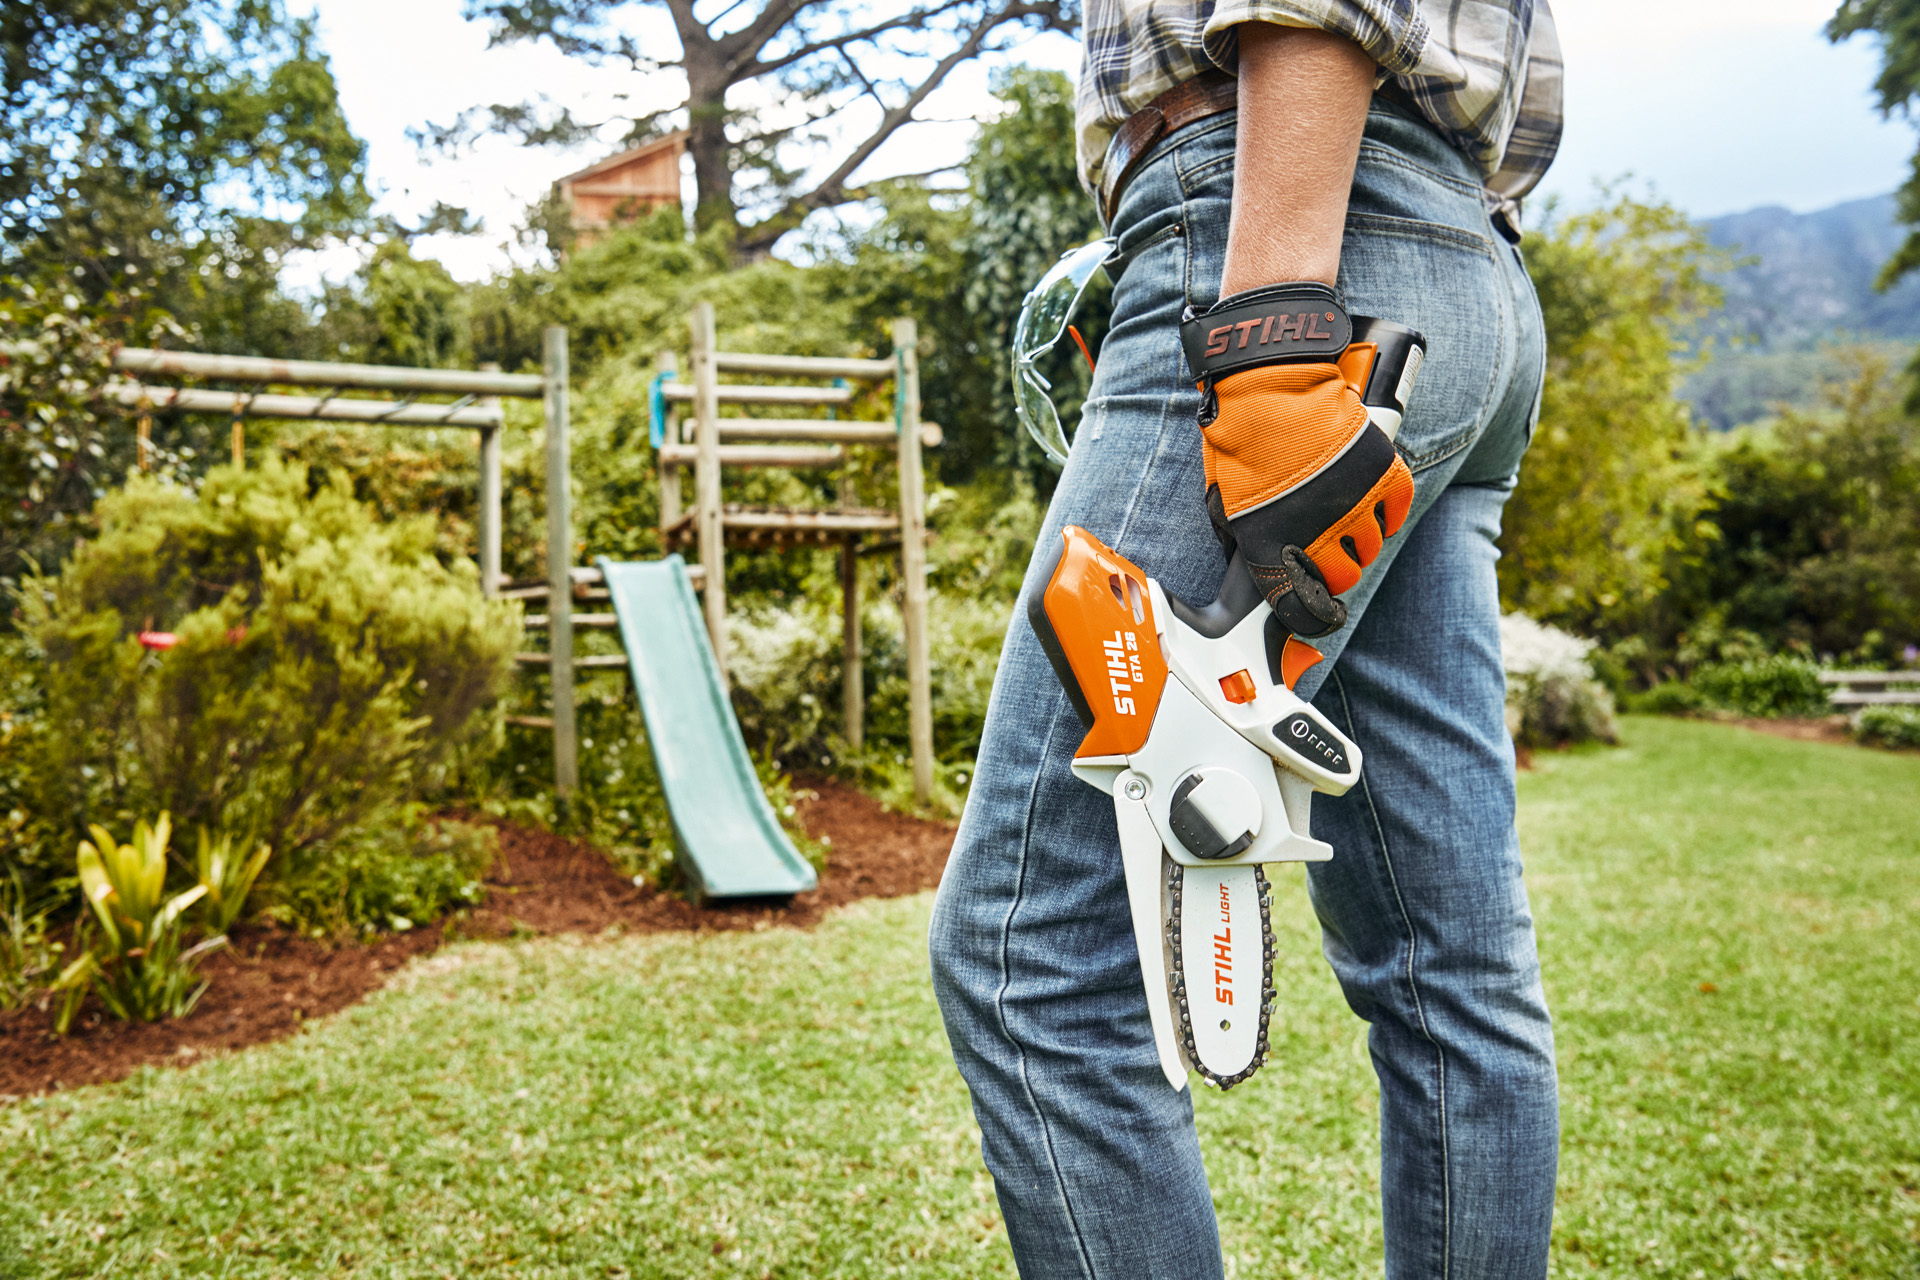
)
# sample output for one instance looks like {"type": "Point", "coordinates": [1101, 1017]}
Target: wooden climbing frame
{"type": "Point", "coordinates": [699, 440]}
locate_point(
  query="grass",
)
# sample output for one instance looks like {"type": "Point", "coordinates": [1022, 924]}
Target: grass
{"type": "Point", "coordinates": [1728, 923]}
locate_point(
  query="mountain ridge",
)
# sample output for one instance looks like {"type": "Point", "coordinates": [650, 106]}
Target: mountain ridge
{"type": "Point", "coordinates": [1809, 276]}
{"type": "Point", "coordinates": [1803, 282]}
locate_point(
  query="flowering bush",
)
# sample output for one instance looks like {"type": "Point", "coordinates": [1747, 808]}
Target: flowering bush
{"type": "Point", "coordinates": [1552, 698]}
{"type": "Point", "coordinates": [1888, 726]}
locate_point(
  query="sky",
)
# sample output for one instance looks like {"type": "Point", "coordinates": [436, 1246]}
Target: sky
{"type": "Point", "coordinates": [1715, 105]}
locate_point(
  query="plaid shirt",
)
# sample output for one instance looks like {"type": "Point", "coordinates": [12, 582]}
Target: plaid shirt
{"type": "Point", "coordinates": [1486, 74]}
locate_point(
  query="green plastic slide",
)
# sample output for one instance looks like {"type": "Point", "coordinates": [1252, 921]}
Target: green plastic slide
{"type": "Point", "coordinates": [729, 842]}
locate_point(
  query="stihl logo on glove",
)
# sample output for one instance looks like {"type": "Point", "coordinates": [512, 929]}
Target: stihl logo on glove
{"type": "Point", "coordinates": [1286, 322]}
{"type": "Point", "coordinates": [1281, 326]}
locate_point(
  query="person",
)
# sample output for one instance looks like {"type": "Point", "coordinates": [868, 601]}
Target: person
{"type": "Point", "coordinates": [1372, 152]}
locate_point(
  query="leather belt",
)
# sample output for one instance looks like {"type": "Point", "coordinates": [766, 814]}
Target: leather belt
{"type": "Point", "coordinates": [1207, 94]}
{"type": "Point", "coordinates": [1189, 102]}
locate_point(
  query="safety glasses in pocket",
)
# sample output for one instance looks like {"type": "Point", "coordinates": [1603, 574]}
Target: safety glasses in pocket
{"type": "Point", "coordinates": [1044, 316]}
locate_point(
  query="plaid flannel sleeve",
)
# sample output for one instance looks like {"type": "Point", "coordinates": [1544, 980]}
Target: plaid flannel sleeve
{"type": "Point", "coordinates": [1392, 32]}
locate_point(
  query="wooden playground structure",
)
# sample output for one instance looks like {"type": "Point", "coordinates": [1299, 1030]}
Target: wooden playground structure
{"type": "Point", "coordinates": [698, 440]}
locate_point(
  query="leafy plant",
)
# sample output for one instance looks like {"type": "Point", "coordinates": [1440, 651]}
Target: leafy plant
{"type": "Point", "coordinates": [138, 963]}
{"type": "Point", "coordinates": [325, 663]}
{"type": "Point", "coordinates": [27, 955]}
{"type": "Point", "coordinates": [1888, 726]}
{"type": "Point", "coordinates": [227, 877]}
{"type": "Point", "coordinates": [1669, 698]}
{"type": "Point", "coordinates": [1776, 685]}
{"type": "Point", "coordinates": [394, 874]}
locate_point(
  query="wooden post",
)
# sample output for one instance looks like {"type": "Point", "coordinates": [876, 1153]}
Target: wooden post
{"type": "Point", "coordinates": [853, 692]}
{"type": "Point", "coordinates": [143, 442]}
{"type": "Point", "coordinates": [706, 482]}
{"type": "Point", "coordinates": [239, 441]}
{"type": "Point", "coordinates": [566, 761]}
{"type": "Point", "coordinates": [913, 554]}
{"type": "Point", "coordinates": [490, 513]}
{"type": "Point", "coordinates": [666, 362]}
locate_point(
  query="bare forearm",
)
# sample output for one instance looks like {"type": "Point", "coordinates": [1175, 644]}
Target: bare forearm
{"type": "Point", "coordinates": [1303, 106]}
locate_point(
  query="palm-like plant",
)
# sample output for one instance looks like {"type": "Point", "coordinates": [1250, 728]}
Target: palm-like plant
{"type": "Point", "coordinates": [136, 963]}
{"type": "Point", "coordinates": [227, 877]}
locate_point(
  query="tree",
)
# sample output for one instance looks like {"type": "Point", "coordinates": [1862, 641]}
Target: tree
{"type": "Point", "coordinates": [1027, 209]}
{"type": "Point", "coordinates": [183, 145]}
{"type": "Point", "coordinates": [1608, 481]}
{"type": "Point", "coordinates": [1813, 530]}
{"type": "Point", "coordinates": [819, 61]}
{"type": "Point", "coordinates": [62, 443]}
{"type": "Point", "coordinates": [1897, 23]}
{"type": "Point", "coordinates": [400, 309]}
{"type": "Point", "coordinates": [962, 262]}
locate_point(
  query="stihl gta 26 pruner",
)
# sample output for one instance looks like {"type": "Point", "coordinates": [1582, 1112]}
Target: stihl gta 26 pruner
{"type": "Point", "coordinates": [1210, 757]}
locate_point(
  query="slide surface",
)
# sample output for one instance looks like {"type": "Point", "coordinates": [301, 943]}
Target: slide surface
{"type": "Point", "coordinates": [729, 842]}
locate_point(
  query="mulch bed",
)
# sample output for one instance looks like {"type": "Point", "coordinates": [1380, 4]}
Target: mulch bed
{"type": "Point", "coordinates": [270, 981]}
{"type": "Point", "coordinates": [1800, 729]}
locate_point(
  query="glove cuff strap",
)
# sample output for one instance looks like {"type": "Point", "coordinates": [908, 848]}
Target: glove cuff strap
{"type": "Point", "coordinates": [1293, 323]}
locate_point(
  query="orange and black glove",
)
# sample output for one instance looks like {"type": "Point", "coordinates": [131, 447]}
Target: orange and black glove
{"type": "Point", "coordinates": [1297, 477]}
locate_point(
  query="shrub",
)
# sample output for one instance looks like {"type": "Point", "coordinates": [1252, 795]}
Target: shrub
{"type": "Point", "coordinates": [28, 957]}
{"type": "Point", "coordinates": [1775, 685]}
{"type": "Point", "coordinates": [303, 667]}
{"type": "Point", "coordinates": [1888, 726]}
{"type": "Point", "coordinates": [1670, 698]}
{"type": "Point", "coordinates": [1552, 698]}
{"type": "Point", "coordinates": [138, 963]}
{"type": "Point", "coordinates": [394, 874]}
{"type": "Point", "coordinates": [36, 842]}
{"type": "Point", "coordinates": [786, 668]}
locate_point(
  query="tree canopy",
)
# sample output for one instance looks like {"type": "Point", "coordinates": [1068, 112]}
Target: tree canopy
{"type": "Point", "coordinates": [1608, 476]}
{"type": "Point", "coordinates": [182, 144]}
{"type": "Point", "coordinates": [845, 77]}
{"type": "Point", "coordinates": [1897, 23]}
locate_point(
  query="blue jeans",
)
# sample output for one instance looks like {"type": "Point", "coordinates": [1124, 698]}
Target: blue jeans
{"type": "Point", "coordinates": [1424, 916]}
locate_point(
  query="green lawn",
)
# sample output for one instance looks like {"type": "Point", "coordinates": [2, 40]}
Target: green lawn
{"type": "Point", "coordinates": [1729, 924]}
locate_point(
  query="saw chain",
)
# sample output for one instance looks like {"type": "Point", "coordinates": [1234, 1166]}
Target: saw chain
{"type": "Point", "coordinates": [1177, 983]}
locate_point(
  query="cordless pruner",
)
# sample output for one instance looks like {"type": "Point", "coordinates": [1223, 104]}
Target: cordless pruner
{"type": "Point", "coordinates": [1194, 729]}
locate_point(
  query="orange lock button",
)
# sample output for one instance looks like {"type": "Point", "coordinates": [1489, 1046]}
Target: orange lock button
{"type": "Point", "coordinates": [1238, 687]}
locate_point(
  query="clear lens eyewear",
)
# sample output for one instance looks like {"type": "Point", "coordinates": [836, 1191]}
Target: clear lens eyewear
{"type": "Point", "coordinates": [1043, 319]}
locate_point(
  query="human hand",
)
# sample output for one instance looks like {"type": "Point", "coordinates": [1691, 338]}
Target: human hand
{"type": "Point", "coordinates": [1297, 477]}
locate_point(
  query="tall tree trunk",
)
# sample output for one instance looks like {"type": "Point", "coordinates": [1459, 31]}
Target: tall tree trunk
{"type": "Point", "coordinates": [707, 141]}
